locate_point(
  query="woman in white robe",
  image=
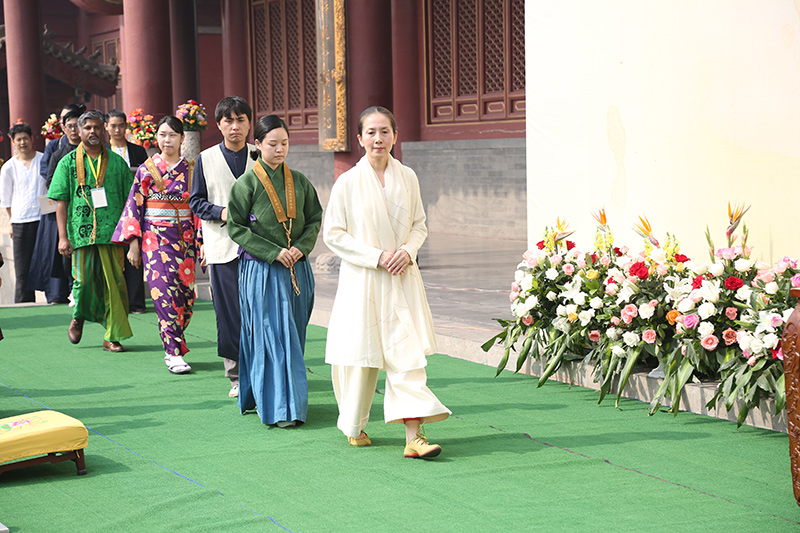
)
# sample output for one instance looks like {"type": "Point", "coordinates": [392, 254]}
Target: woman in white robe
{"type": "Point", "coordinates": [380, 319]}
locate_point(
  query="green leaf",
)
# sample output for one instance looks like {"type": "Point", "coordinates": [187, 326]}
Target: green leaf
{"type": "Point", "coordinates": [684, 373]}
{"type": "Point", "coordinates": [552, 364]}
{"type": "Point", "coordinates": [523, 353]}
{"type": "Point", "coordinates": [633, 357]}
{"type": "Point", "coordinates": [503, 361]}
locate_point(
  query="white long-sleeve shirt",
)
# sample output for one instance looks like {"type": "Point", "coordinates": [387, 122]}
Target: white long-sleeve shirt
{"type": "Point", "coordinates": [20, 189]}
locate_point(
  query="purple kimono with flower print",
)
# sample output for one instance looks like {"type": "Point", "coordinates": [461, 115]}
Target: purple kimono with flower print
{"type": "Point", "coordinates": [168, 233]}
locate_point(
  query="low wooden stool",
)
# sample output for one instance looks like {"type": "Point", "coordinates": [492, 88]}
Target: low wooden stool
{"type": "Point", "coordinates": [53, 435]}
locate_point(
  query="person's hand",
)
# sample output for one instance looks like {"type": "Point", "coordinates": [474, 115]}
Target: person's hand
{"type": "Point", "coordinates": [296, 254]}
{"type": "Point", "coordinates": [224, 215]}
{"type": "Point", "coordinates": [135, 254]}
{"type": "Point", "coordinates": [64, 247]}
{"type": "Point", "coordinates": [201, 253]}
{"type": "Point", "coordinates": [285, 258]}
{"type": "Point", "coordinates": [395, 263]}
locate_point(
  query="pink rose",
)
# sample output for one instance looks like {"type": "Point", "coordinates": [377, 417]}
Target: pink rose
{"type": "Point", "coordinates": [530, 259]}
{"type": "Point", "coordinates": [775, 320]}
{"type": "Point", "coordinates": [796, 280]}
{"type": "Point", "coordinates": [556, 260]}
{"type": "Point", "coordinates": [615, 320]}
{"type": "Point", "coordinates": [726, 253]}
{"type": "Point", "coordinates": [581, 262]}
{"type": "Point", "coordinates": [751, 360]}
{"type": "Point", "coordinates": [729, 336]}
{"type": "Point", "coordinates": [691, 321]}
{"type": "Point", "coordinates": [594, 335]}
{"type": "Point", "coordinates": [695, 296]}
{"type": "Point", "coordinates": [649, 336]}
{"type": "Point", "coordinates": [527, 320]}
{"type": "Point", "coordinates": [631, 310]}
{"type": "Point", "coordinates": [611, 289]}
{"type": "Point", "coordinates": [777, 353]}
{"type": "Point", "coordinates": [514, 286]}
{"type": "Point", "coordinates": [605, 260]}
{"type": "Point", "coordinates": [709, 342]}
{"type": "Point", "coordinates": [653, 303]}
{"type": "Point", "coordinates": [568, 269]}
{"type": "Point", "coordinates": [662, 270]}
{"type": "Point", "coordinates": [731, 313]}
{"type": "Point", "coordinates": [513, 295]}
{"type": "Point", "coordinates": [766, 276]}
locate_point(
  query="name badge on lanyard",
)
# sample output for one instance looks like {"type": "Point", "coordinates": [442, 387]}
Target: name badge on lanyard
{"type": "Point", "coordinates": [99, 197]}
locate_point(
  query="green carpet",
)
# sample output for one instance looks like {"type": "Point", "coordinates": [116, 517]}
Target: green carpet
{"type": "Point", "coordinates": [172, 453]}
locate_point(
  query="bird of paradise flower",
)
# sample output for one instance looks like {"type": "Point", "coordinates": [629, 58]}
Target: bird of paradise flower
{"type": "Point", "coordinates": [644, 230]}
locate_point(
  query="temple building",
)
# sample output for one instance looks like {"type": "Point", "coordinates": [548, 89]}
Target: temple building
{"type": "Point", "coordinates": [452, 71]}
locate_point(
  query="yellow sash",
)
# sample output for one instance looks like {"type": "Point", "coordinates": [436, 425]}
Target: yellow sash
{"type": "Point", "coordinates": [280, 214]}
{"type": "Point", "coordinates": [80, 169]}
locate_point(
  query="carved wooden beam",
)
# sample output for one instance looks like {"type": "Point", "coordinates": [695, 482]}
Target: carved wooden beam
{"type": "Point", "coordinates": [791, 370]}
{"type": "Point", "coordinates": [332, 66]}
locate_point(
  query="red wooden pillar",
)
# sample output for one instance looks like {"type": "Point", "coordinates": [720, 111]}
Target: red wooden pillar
{"type": "Point", "coordinates": [369, 67]}
{"type": "Point", "coordinates": [148, 72]}
{"type": "Point", "coordinates": [24, 65]}
{"type": "Point", "coordinates": [406, 71]}
{"type": "Point", "coordinates": [236, 49]}
{"type": "Point", "coordinates": [183, 32]}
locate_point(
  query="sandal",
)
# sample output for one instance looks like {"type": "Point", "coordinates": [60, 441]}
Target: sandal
{"type": "Point", "coordinates": [361, 440]}
{"type": "Point", "coordinates": [176, 364]}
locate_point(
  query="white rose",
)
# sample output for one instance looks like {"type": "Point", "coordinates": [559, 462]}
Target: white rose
{"type": "Point", "coordinates": [551, 296]}
{"type": "Point", "coordinates": [531, 302]}
{"type": "Point", "coordinates": [706, 310]}
{"type": "Point", "coordinates": [787, 313]}
{"type": "Point", "coordinates": [705, 328]}
{"type": "Point", "coordinates": [742, 265]}
{"type": "Point", "coordinates": [716, 269]}
{"type": "Point", "coordinates": [561, 324]}
{"type": "Point", "coordinates": [699, 270]}
{"type": "Point", "coordinates": [618, 351]}
{"type": "Point", "coordinates": [770, 340]}
{"type": "Point", "coordinates": [646, 311]}
{"type": "Point", "coordinates": [630, 338]}
{"type": "Point", "coordinates": [596, 302]}
{"type": "Point", "coordinates": [551, 273]}
{"type": "Point", "coordinates": [561, 310]}
{"type": "Point", "coordinates": [580, 298]}
{"type": "Point", "coordinates": [571, 308]}
{"type": "Point", "coordinates": [771, 287]}
{"type": "Point", "coordinates": [743, 293]}
{"type": "Point", "coordinates": [685, 305]}
{"type": "Point", "coordinates": [658, 255]}
{"type": "Point", "coordinates": [586, 316]}
{"type": "Point", "coordinates": [763, 265]}
{"type": "Point", "coordinates": [744, 340]}
{"type": "Point", "coordinates": [756, 346]}
{"type": "Point", "coordinates": [612, 334]}
{"type": "Point", "coordinates": [526, 283]}
{"type": "Point", "coordinates": [518, 274]}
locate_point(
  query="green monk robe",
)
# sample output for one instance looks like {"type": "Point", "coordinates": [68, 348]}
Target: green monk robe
{"type": "Point", "coordinates": [99, 290]}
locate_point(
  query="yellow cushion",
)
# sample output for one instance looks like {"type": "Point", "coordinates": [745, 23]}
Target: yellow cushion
{"type": "Point", "coordinates": [40, 433]}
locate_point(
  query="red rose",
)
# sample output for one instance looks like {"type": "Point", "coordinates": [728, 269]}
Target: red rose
{"type": "Point", "coordinates": [618, 251]}
{"type": "Point", "coordinates": [733, 283]}
{"type": "Point", "coordinates": [570, 245]}
{"type": "Point", "coordinates": [697, 282]}
{"type": "Point", "coordinates": [540, 245]}
{"type": "Point", "coordinates": [594, 258]}
{"type": "Point", "coordinates": [680, 258]}
{"type": "Point", "coordinates": [639, 270]}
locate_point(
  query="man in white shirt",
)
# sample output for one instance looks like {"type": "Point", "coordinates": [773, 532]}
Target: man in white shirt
{"type": "Point", "coordinates": [21, 185]}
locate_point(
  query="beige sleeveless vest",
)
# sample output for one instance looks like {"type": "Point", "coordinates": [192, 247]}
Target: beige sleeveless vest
{"type": "Point", "coordinates": [219, 247]}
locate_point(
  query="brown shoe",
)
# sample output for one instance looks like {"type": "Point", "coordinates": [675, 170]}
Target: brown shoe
{"type": "Point", "coordinates": [75, 330]}
{"type": "Point", "coordinates": [361, 440]}
{"type": "Point", "coordinates": [112, 346]}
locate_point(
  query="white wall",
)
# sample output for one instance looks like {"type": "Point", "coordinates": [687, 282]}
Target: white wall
{"type": "Point", "coordinates": [664, 108]}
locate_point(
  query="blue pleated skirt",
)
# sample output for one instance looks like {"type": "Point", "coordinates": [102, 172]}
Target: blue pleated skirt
{"type": "Point", "coordinates": [272, 371]}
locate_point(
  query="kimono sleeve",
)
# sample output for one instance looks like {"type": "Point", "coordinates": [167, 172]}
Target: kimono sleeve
{"type": "Point", "coordinates": [419, 231]}
{"type": "Point", "coordinates": [130, 222]}
{"type": "Point", "coordinates": [336, 233]}
{"type": "Point", "coordinates": [240, 205]}
{"type": "Point", "coordinates": [312, 212]}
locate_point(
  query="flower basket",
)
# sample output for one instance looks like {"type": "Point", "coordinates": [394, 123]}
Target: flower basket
{"type": "Point", "coordinates": [52, 128]}
{"type": "Point", "coordinates": [193, 115]}
{"type": "Point", "coordinates": [141, 128]}
{"type": "Point", "coordinates": [719, 320]}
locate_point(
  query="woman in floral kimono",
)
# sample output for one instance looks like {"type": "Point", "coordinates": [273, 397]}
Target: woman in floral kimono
{"type": "Point", "coordinates": [158, 225]}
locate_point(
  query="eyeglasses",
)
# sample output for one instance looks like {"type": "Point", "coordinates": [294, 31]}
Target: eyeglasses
{"type": "Point", "coordinates": [71, 126]}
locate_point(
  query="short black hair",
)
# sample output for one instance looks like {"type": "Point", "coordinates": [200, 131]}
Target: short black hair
{"type": "Point", "coordinates": [75, 111]}
{"type": "Point", "coordinates": [173, 122]}
{"type": "Point", "coordinates": [16, 129]}
{"type": "Point", "coordinates": [231, 107]}
{"type": "Point", "coordinates": [116, 113]}
{"type": "Point", "coordinates": [266, 124]}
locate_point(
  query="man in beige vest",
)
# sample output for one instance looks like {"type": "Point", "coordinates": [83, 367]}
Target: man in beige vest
{"type": "Point", "coordinates": [215, 171]}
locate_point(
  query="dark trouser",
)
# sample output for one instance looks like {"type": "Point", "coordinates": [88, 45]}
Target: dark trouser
{"type": "Point", "coordinates": [134, 279]}
{"type": "Point", "coordinates": [24, 241]}
{"type": "Point", "coordinates": [225, 296]}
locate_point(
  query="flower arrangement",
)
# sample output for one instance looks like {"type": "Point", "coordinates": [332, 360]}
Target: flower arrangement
{"type": "Point", "coordinates": [716, 320]}
{"type": "Point", "coordinates": [193, 115]}
{"type": "Point", "coordinates": [52, 128]}
{"type": "Point", "coordinates": [141, 128]}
